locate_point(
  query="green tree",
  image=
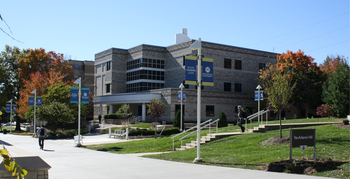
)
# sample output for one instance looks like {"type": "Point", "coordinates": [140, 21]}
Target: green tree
{"type": "Point", "coordinates": [279, 90]}
{"type": "Point", "coordinates": [336, 91]}
{"type": "Point", "coordinates": [177, 120]}
{"type": "Point", "coordinates": [156, 110]}
{"type": "Point", "coordinates": [124, 111]}
{"type": "Point", "coordinates": [9, 86]}
{"type": "Point", "coordinates": [55, 113]}
{"type": "Point", "coordinates": [223, 119]}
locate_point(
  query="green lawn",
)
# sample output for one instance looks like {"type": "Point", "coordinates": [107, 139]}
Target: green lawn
{"type": "Point", "coordinates": [246, 151]}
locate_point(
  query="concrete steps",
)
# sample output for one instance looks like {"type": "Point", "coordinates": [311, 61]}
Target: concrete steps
{"type": "Point", "coordinates": [261, 128]}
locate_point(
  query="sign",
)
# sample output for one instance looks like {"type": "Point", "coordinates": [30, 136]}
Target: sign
{"type": "Point", "coordinates": [207, 72]}
{"type": "Point", "coordinates": [74, 95]}
{"type": "Point", "coordinates": [183, 96]}
{"type": "Point", "coordinates": [85, 95]}
{"type": "Point", "coordinates": [190, 70]}
{"type": "Point", "coordinates": [261, 95]}
{"type": "Point", "coordinates": [8, 108]}
{"type": "Point", "coordinates": [39, 101]}
{"type": "Point", "coordinates": [302, 138]}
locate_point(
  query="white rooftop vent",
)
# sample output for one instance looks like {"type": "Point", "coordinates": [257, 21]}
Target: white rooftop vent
{"type": "Point", "coordinates": [180, 38]}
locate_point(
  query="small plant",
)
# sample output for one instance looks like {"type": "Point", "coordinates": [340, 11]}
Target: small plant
{"type": "Point", "coordinates": [346, 122]}
{"type": "Point", "coordinates": [223, 119]}
{"type": "Point", "coordinates": [324, 110]}
{"type": "Point", "coordinates": [177, 120]}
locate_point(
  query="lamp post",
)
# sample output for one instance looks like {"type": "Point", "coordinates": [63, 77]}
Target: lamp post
{"type": "Point", "coordinates": [181, 87]}
{"type": "Point", "coordinates": [34, 129]}
{"type": "Point", "coordinates": [259, 88]}
{"type": "Point", "coordinates": [197, 45]}
{"type": "Point", "coordinates": [78, 81]}
{"type": "Point", "coordinates": [10, 116]}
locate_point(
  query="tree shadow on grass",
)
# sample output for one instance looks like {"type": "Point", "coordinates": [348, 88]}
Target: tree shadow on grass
{"type": "Point", "coordinates": [110, 149]}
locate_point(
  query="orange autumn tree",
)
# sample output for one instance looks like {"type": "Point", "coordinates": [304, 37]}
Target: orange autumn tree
{"type": "Point", "coordinates": [302, 69]}
{"type": "Point", "coordinates": [39, 70]}
{"type": "Point", "coordinates": [331, 63]}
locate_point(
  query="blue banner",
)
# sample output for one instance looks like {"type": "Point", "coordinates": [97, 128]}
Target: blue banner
{"type": "Point", "coordinates": [85, 95]}
{"type": "Point", "coordinates": [8, 108]}
{"type": "Point", "coordinates": [190, 70]}
{"type": "Point", "coordinates": [207, 72]}
{"type": "Point", "coordinates": [39, 100]}
{"type": "Point", "coordinates": [74, 95]}
{"type": "Point", "coordinates": [14, 107]}
{"type": "Point", "coordinates": [261, 95]}
{"type": "Point", "coordinates": [183, 96]}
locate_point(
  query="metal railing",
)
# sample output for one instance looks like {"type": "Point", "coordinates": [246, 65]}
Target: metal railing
{"type": "Point", "coordinates": [256, 115]}
{"type": "Point", "coordinates": [194, 127]}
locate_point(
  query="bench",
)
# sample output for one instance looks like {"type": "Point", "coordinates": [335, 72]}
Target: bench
{"type": "Point", "coordinates": [119, 133]}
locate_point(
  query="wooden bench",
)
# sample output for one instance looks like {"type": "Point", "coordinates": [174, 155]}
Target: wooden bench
{"type": "Point", "coordinates": [119, 133]}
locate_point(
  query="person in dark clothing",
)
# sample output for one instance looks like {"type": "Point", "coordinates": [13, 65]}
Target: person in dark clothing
{"type": "Point", "coordinates": [240, 118]}
{"type": "Point", "coordinates": [99, 118]}
{"type": "Point", "coordinates": [41, 135]}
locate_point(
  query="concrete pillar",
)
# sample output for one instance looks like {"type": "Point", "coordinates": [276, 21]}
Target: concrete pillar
{"type": "Point", "coordinates": [100, 109]}
{"type": "Point", "coordinates": [111, 109]}
{"type": "Point", "coordinates": [143, 112]}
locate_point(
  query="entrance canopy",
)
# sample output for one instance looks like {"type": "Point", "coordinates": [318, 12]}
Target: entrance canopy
{"type": "Point", "coordinates": [128, 98]}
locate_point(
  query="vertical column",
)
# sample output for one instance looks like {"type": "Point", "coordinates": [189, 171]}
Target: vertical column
{"type": "Point", "coordinates": [111, 109]}
{"type": "Point", "coordinates": [143, 112]}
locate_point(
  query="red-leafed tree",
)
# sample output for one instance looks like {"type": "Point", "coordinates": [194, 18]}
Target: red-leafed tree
{"type": "Point", "coordinates": [156, 109]}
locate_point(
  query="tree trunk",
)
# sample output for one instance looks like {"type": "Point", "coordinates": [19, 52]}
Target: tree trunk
{"type": "Point", "coordinates": [279, 115]}
{"type": "Point", "coordinates": [18, 123]}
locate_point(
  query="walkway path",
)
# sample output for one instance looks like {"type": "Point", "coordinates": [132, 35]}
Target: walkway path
{"type": "Point", "coordinates": [68, 162]}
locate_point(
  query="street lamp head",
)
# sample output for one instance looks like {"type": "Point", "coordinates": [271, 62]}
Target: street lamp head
{"type": "Point", "coordinates": [258, 87]}
{"type": "Point", "coordinates": [34, 91]}
{"type": "Point", "coordinates": [196, 45]}
{"type": "Point", "coordinates": [181, 86]}
{"type": "Point", "coordinates": [77, 81]}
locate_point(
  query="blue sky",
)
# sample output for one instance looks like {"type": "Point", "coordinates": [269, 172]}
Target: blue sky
{"type": "Point", "coordinates": [80, 29]}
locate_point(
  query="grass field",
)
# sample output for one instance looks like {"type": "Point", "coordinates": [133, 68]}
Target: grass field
{"type": "Point", "coordinates": [246, 151]}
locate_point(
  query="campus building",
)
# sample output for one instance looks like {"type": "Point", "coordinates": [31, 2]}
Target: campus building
{"type": "Point", "coordinates": [137, 75]}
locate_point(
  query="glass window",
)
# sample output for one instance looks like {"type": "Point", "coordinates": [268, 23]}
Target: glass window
{"type": "Point", "coordinates": [209, 111]}
{"type": "Point", "coordinates": [108, 88]}
{"type": "Point", "coordinates": [227, 63]}
{"type": "Point", "coordinates": [227, 86]}
{"type": "Point", "coordinates": [238, 87]}
{"type": "Point", "coordinates": [108, 66]}
{"type": "Point", "coordinates": [262, 66]}
{"type": "Point", "coordinates": [238, 64]}
{"type": "Point", "coordinates": [76, 67]}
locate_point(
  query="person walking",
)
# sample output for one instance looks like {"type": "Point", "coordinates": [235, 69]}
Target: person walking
{"type": "Point", "coordinates": [240, 117]}
{"type": "Point", "coordinates": [41, 135]}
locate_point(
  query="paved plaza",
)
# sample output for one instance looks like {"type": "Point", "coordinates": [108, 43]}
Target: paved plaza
{"type": "Point", "coordinates": [68, 161]}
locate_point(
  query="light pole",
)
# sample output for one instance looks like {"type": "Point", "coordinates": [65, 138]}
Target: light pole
{"type": "Point", "coordinates": [181, 87]}
{"type": "Point", "coordinates": [259, 88]}
{"type": "Point", "coordinates": [34, 129]}
{"type": "Point", "coordinates": [197, 45]}
{"type": "Point", "coordinates": [10, 116]}
{"type": "Point", "coordinates": [78, 81]}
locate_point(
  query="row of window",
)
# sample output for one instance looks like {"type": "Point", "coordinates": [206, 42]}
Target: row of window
{"type": "Point", "coordinates": [238, 64]}
{"type": "Point", "coordinates": [145, 74]}
{"type": "Point", "coordinates": [238, 87]}
{"type": "Point", "coordinates": [143, 86]}
{"type": "Point", "coordinates": [145, 62]}
{"type": "Point", "coordinates": [209, 110]}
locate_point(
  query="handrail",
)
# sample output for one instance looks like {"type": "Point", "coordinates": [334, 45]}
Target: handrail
{"type": "Point", "coordinates": [201, 128]}
{"type": "Point", "coordinates": [190, 128]}
{"type": "Point", "coordinates": [254, 116]}
{"type": "Point", "coordinates": [208, 121]}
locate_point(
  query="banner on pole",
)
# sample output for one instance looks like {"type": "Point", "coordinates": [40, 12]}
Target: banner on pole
{"type": "Point", "coordinates": [85, 95]}
{"type": "Point", "coordinates": [8, 108]}
{"type": "Point", "coordinates": [261, 95]}
{"type": "Point", "coordinates": [190, 70]}
{"type": "Point", "coordinates": [74, 95]}
{"type": "Point", "coordinates": [183, 96]}
{"type": "Point", "coordinates": [39, 100]}
{"type": "Point", "coordinates": [207, 72]}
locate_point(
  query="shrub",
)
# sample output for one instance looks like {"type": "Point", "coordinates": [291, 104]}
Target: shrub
{"type": "Point", "coordinates": [223, 119]}
{"type": "Point", "coordinates": [324, 110]}
{"type": "Point", "coordinates": [346, 122]}
{"type": "Point", "coordinates": [177, 119]}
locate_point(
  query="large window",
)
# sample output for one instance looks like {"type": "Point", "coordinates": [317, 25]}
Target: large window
{"type": "Point", "coordinates": [108, 66]}
{"type": "Point", "coordinates": [145, 74]}
{"type": "Point", "coordinates": [238, 87]}
{"type": "Point", "coordinates": [227, 86]}
{"type": "Point", "coordinates": [238, 64]}
{"type": "Point", "coordinates": [143, 86]}
{"type": "Point", "coordinates": [227, 63]}
{"type": "Point", "coordinates": [209, 111]}
{"type": "Point", "coordinates": [145, 62]}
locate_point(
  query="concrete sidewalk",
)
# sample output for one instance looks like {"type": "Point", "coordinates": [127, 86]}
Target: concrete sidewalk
{"type": "Point", "coordinates": [68, 161]}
